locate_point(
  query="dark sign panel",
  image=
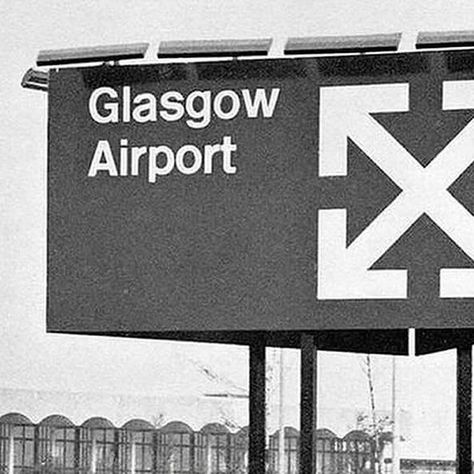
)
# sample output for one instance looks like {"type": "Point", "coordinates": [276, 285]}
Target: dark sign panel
{"type": "Point", "coordinates": [291, 194]}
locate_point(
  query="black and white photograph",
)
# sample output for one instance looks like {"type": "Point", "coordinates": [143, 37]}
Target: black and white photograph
{"type": "Point", "coordinates": [236, 237]}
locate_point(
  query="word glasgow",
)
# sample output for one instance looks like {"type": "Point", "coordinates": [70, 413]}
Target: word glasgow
{"type": "Point", "coordinates": [106, 105]}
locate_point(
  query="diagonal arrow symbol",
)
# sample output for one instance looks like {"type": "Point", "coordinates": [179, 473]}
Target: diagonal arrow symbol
{"type": "Point", "coordinates": [459, 282]}
{"type": "Point", "coordinates": [343, 271]}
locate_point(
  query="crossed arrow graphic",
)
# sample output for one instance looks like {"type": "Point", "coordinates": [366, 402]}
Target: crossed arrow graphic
{"type": "Point", "coordinates": [344, 271]}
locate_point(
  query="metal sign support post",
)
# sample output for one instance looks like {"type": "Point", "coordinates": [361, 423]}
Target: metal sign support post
{"type": "Point", "coordinates": [308, 412]}
{"type": "Point", "coordinates": [464, 409]}
{"type": "Point", "coordinates": [257, 406]}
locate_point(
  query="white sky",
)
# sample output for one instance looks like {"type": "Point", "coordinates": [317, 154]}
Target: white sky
{"type": "Point", "coordinates": [31, 359]}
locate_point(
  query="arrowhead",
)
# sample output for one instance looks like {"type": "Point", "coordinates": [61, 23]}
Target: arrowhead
{"type": "Point", "coordinates": [343, 272]}
{"type": "Point", "coordinates": [423, 250]}
{"type": "Point", "coordinates": [425, 131]}
{"type": "Point", "coordinates": [340, 110]}
{"type": "Point", "coordinates": [366, 192]}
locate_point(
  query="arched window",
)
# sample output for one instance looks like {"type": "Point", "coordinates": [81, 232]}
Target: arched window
{"type": "Point", "coordinates": [136, 447]}
{"type": "Point", "coordinates": [358, 450]}
{"type": "Point", "coordinates": [17, 443]}
{"type": "Point", "coordinates": [57, 444]}
{"type": "Point", "coordinates": [291, 450]}
{"type": "Point", "coordinates": [175, 448]}
{"type": "Point", "coordinates": [240, 451]}
{"type": "Point", "coordinates": [98, 446]}
{"type": "Point", "coordinates": [327, 452]}
{"type": "Point", "coordinates": [215, 442]}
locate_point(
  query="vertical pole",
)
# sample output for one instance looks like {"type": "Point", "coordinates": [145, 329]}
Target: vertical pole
{"type": "Point", "coordinates": [155, 451]}
{"type": "Point", "coordinates": [36, 437]}
{"type": "Point", "coordinates": [208, 454]}
{"type": "Point", "coordinates": [257, 406]}
{"type": "Point", "coordinates": [116, 451]}
{"type": "Point", "coordinates": [133, 456]}
{"type": "Point", "coordinates": [229, 462]}
{"type": "Point", "coordinates": [395, 421]}
{"type": "Point", "coordinates": [77, 450]}
{"type": "Point", "coordinates": [11, 451]}
{"type": "Point", "coordinates": [309, 370]}
{"type": "Point", "coordinates": [281, 421]}
{"type": "Point", "coordinates": [192, 452]}
{"type": "Point", "coordinates": [464, 410]}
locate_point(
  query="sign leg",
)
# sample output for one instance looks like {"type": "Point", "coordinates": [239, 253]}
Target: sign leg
{"type": "Point", "coordinates": [257, 407]}
{"type": "Point", "coordinates": [464, 410]}
{"type": "Point", "coordinates": [308, 401]}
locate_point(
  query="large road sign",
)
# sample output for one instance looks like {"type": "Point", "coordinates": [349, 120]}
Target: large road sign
{"type": "Point", "coordinates": [286, 194]}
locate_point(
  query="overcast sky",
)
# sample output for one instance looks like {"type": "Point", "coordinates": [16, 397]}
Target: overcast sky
{"type": "Point", "coordinates": [31, 359]}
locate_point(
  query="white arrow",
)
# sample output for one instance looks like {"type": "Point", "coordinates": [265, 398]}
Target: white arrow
{"type": "Point", "coordinates": [459, 282]}
{"type": "Point", "coordinates": [343, 272]}
{"type": "Point", "coordinates": [340, 112]}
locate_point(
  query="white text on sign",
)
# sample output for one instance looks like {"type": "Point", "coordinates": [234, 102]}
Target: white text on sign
{"type": "Point", "coordinates": [108, 105]}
